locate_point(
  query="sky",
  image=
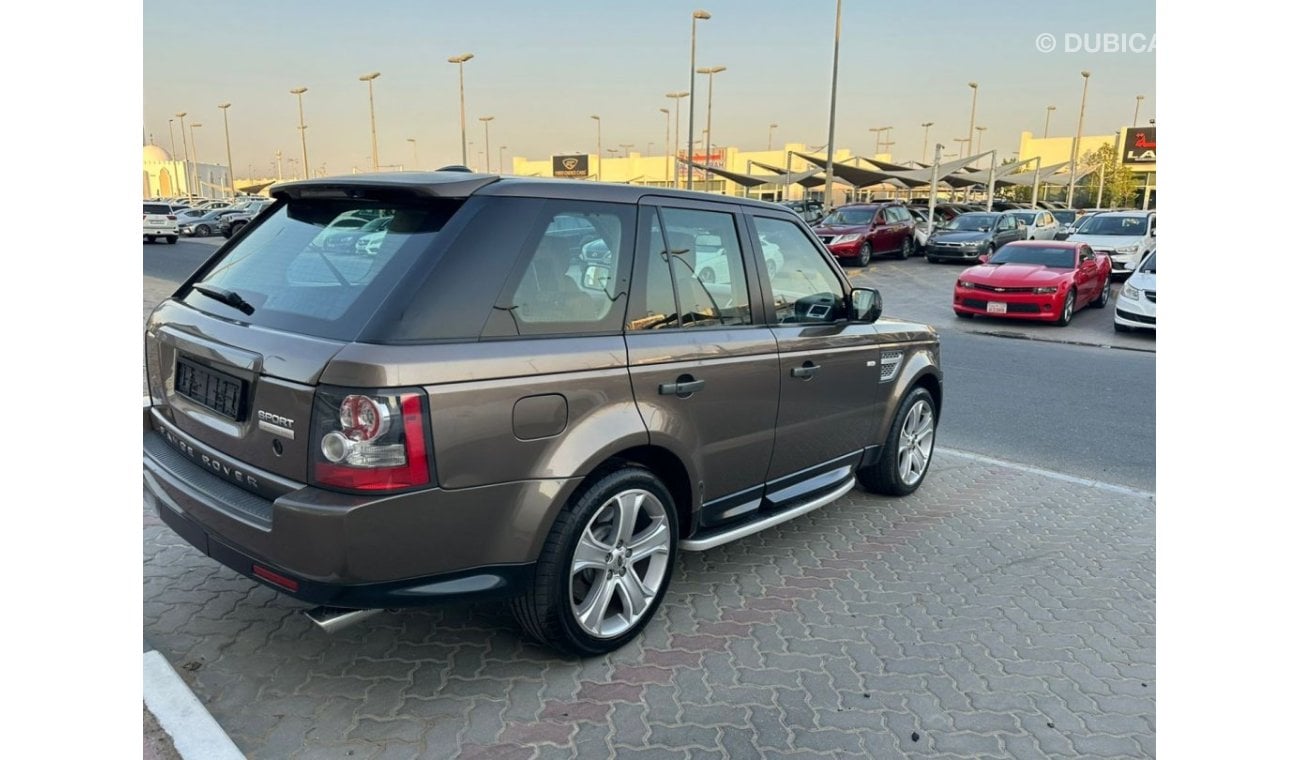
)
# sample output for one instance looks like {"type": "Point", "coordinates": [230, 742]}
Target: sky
{"type": "Point", "coordinates": [542, 69]}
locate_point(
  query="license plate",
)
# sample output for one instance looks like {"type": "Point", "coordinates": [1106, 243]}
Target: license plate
{"type": "Point", "coordinates": [997, 307]}
{"type": "Point", "coordinates": [157, 224]}
{"type": "Point", "coordinates": [207, 387]}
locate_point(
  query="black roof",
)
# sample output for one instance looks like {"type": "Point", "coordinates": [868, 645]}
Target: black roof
{"type": "Point", "coordinates": [459, 184]}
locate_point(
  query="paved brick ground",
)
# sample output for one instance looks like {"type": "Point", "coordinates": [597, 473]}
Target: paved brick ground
{"type": "Point", "coordinates": [995, 613]}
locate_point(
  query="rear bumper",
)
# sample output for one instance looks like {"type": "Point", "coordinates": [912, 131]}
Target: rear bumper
{"type": "Point", "coordinates": [344, 550]}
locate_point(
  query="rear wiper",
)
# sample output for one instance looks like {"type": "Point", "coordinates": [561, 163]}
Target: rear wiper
{"type": "Point", "coordinates": [228, 297]}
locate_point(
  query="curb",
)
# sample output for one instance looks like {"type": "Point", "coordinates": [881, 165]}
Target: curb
{"type": "Point", "coordinates": [1022, 336]}
{"type": "Point", "coordinates": [194, 732]}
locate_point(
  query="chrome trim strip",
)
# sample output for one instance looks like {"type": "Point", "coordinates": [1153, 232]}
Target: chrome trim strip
{"type": "Point", "coordinates": [271, 427]}
{"type": "Point", "coordinates": [749, 529]}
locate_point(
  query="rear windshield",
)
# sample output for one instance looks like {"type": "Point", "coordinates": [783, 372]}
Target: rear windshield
{"type": "Point", "coordinates": [321, 267]}
{"type": "Point", "coordinates": [157, 208]}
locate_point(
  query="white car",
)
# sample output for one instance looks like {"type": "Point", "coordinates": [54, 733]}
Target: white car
{"type": "Point", "coordinates": [1136, 305]}
{"type": "Point", "coordinates": [1039, 224]}
{"type": "Point", "coordinates": [1125, 236]}
{"type": "Point", "coordinates": [160, 222]}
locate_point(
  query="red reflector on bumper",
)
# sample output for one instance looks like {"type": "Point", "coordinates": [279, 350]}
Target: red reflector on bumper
{"type": "Point", "coordinates": [288, 584]}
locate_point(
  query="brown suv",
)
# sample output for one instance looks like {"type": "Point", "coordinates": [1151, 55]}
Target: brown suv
{"type": "Point", "coordinates": [471, 402]}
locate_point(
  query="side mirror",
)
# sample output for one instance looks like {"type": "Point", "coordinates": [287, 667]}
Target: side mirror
{"type": "Point", "coordinates": [867, 305]}
{"type": "Point", "coordinates": [1153, 232]}
{"type": "Point", "coordinates": [596, 277]}
{"type": "Point", "coordinates": [984, 258]}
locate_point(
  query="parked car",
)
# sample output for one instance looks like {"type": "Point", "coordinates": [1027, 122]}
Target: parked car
{"type": "Point", "coordinates": [1039, 280]}
{"type": "Point", "coordinates": [1136, 306]}
{"type": "Point", "coordinates": [1067, 229]}
{"type": "Point", "coordinates": [477, 412]}
{"type": "Point", "coordinates": [971, 235]}
{"type": "Point", "coordinates": [1039, 225]}
{"type": "Point", "coordinates": [232, 223]}
{"type": "Point", "coordinates": [921, 230]}
{"type": "Point", "coordinates": [159, 222]}
{"type": "Point", "coordinates": [855, 232]}
{"type": "Point", "coordinates": [808, 209]}
{"type": "Point", "coordinates": [205, 223]}
{"type": "Point", "coordinates": [1125, 236]}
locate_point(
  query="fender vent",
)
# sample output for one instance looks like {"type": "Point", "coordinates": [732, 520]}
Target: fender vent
{"type": "Point", "coordinates": [890, 362]}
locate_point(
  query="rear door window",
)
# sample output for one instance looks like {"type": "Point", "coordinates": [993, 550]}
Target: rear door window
{"type": "Point", "coordinates": [312, 267]}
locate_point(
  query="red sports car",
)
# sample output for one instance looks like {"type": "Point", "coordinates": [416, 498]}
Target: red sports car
{"type": "Point", "coordinates": [1043, 280]}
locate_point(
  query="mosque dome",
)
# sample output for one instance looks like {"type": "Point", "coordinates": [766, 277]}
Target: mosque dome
{"type": "Point", "coordinates": [155, 154]}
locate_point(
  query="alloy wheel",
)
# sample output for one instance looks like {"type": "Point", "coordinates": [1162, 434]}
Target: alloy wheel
{"type": "Point", "coordinates": [620, 563]}
{"type": "Point", "coordinates": [915, 442]}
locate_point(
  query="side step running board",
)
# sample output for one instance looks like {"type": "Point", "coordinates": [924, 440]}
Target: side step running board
{"type": "Point", "coordinates": [334, 619]}
{"type": "Point", "coordinates": [748, 529]}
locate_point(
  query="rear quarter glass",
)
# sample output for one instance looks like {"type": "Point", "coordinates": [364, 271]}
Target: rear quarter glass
{"type": "Point", "coordinates": [303, 272]}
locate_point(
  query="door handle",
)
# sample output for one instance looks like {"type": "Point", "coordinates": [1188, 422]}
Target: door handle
{"type": "Point", "coordinates": [685, 386]}
{"type": "Point", "coordinates": [806, 371]}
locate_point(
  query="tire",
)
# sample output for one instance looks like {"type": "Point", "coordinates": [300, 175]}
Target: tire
{"type": "Point", "coordinates": [707, 275]}
{"type": "Point", "coordinates": [910, 444]}
{"type": "Point", "coordinates": [550, 609]}
{"type": "Point", "coordinates": [963, 315]}
{"type": "Point", "coordinates": [202, 230]}
{"type": "Point", "coordinates": [150, 239]}
{"type": "Point", "coordinates": [863, 256]}
{"type": "Point", "coordinates": [1067, 309]}
{"type": "Point", "coordinates": [932, 259]}
{"type": "Point", "coordinates": [906, 253]}
{"type": "Point", "coordinates": [1103, 297]}
{"type": "Point", "coordinates": [171, 240]}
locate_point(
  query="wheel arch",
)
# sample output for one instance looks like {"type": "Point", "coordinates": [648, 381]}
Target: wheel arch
{"type": "Point", "coordinates": [667, 466]}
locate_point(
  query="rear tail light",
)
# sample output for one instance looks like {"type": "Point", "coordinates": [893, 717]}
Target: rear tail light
{"type": "Point", "coordinates": [365, 440]}
{"type": "Point", "coordinates": [171, 218]}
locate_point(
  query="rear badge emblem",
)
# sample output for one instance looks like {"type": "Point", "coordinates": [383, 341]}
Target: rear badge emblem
{"type": "Point", "coordinates": [274, 423]}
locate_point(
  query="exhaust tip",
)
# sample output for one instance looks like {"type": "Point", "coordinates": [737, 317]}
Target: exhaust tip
{"type": "Point", "coordinates": [334, 619]}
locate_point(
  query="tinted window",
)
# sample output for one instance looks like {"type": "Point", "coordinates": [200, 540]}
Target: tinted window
{"type": "Point", "coordinates": [1149, 265]}
{"type": "Point", "coordinates": [303, 272]}
{"type": "Point", "coordinates": [697, 279]}
{"type": "Point", "coordinates": [805, 287]}
{"type": "Point", "coordinates": [157, 208]}
{"type": "Point", "coordinates": [860, 215]}
{"type": "Point", "coordinates": [973, 222]}
{"type": "Point", "coordinates": [1114, 225]}
{"type": "Point", "coordinates": [567, 281]}
{"type": "Point", "coordinates": [1062, 258]}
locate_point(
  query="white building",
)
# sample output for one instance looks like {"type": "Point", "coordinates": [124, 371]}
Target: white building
{"type": "Point", "coordinates": [166, 178]}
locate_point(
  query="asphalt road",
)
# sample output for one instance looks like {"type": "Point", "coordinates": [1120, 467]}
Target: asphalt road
{"type": "Point", "coordinates": [1044, 400]}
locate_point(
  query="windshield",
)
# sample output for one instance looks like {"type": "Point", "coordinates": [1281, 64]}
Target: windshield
{"type": "Point", "coordinates": [851, 216]}
{"type": "Point", "coordinates": [311, 268]}
{"type": "Point", "coordinates": [1129, 226]}
{"type": "Point", "coordinates": [973, 222]}
{"type": "Point", "coordinates": [1027, 217]}
{"type": "Point", "coordinates": [1062, 258]}
{"type": "Point", "coordinates": [1149, 266]}
{"type": "Point", "coordinates": [1065, 217]}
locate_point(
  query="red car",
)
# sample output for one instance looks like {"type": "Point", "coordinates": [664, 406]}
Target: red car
{"type": "Point", "coordinates": [1044, 280]}
{"type": "Point", "coordinates": [857, 231]}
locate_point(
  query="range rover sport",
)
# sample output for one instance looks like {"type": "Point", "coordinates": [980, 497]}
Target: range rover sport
{"type": "Point", "coordinates": [464, 405]}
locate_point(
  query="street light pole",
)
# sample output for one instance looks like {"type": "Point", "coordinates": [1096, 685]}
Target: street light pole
{"type": "Point", "coordinates": [369, 79]}
{"type": "Point", "coordinates": [1078, 135]}
{"type": "Point", "coordinates": [459, 60]}
{"type": "Point", "coordinates": [1048, 122]}
{"type": "Point", "coordinates": [770, 127]}
{"type": "Point", "coordinates": [415, 153]}
{"type": "Point", "coordinates": [974, 94]}
{"type": "Point", "coordinates": [229, 164]}
{"type": "Point", "coordinates": [690, 118]}
{"type": "Point", "coordinates": [598, 147]}
{"type": "Point", "coordinates": [198, 181]}
{"type": "Point", "coordinates": [487, 144]}
{"type": "Point", "coordinates": [1137, 108]}
{"type": "Point", "coordinates": [925, 138]}
{"type": "Point", "coordinates": [708, 126]}
{"type": "Point", "coordinates": [829, 192]}
{"type": "Point", "coordinates": [677, 130]}
{"type": "Point", "coordinates": [627, 149]}
{"type": "Point", "coordinates": [185, 146]}
{"type": "Point", "coordinates": [979, 141]}
{"type": "Point", "coordinates": [172, 133]}
{"type": "Point", "coordinates": [668, 115]}
{"type": "Point", "coordinates": [302, 129]}
{"type": "Point", "coordinates": [501, 159]}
